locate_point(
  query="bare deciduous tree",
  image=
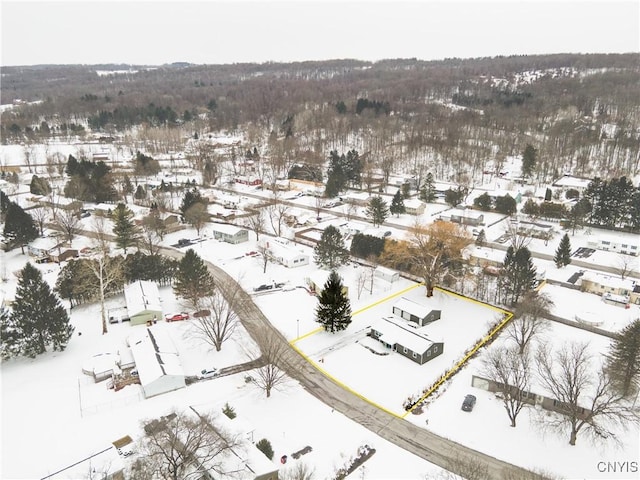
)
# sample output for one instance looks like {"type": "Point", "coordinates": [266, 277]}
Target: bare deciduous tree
{"type": "Point", "coordinates": [269, 376]}
{"type": "Point", "coordinates": [153, 231]}
{"type": "Point", "coordinates": [515, 238]}
{"type": "Point", "coordinates": [40, 216]}
{"type": "Point", "coordinates": [256, 223]}
{"type": "Point", "coordinates": [585, 399]}
{"type": "Point", "coordinates": [108, 272]}
{"type": "Point", "coordinates": [219, 324]}
{"type": "Point", "coordinates": [182, 445]}
{"type": "Point", "coordinates": [276, 213]}
{"type": "Point", "coordinates": [197, 216]}
{"type": "Point", "coordinates": [529, 318]}
{"type": "Point", "coordinates": [297, 471]}
{"type": "Point", "coordinates": [510, 370]}
{"type": "Point", "coordinates": [69, 223]}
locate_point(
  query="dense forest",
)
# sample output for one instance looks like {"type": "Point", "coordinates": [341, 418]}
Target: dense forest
{"type": "Point", "coordinates": [454, 118]}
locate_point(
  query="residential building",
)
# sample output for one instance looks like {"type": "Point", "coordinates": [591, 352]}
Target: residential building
{"type": "Point", "coordinates": [230, 233]}
{"type": "Point", "coordinates": [415, 312]}
{"type": "Point", "coordinates": [601, 284]}
{"type": "Point", "coordinates": [626, 245]}
{"type": "Point", "coordinates": [405, 340]}
{"type": "Point", "coordinates": [464, 217]}
{"type": "Point", "coordinates": [414, 206]}
{"type": "Point", "coordinates": [386, 274]}
{"type": "Point", "coordinates": [317, 279]}
{"type": "Point", "coordinates": [143, 302]}
{"type": "Point", "coordinates": [284, 252]}
{"type": "Point", "coordinates": [157, 361]}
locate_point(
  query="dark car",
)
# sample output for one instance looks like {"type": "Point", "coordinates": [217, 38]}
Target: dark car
{"type": "Point", "coordinates": [262, 288]}
{"type": "Point", "coordinates": [468, 403]}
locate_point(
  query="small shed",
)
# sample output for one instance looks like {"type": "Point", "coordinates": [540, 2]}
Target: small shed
{"type": "Point", "coordinates": [157, 361]}
{"type": "Point", "coordinates": [230, 233]}
{"type": "Point", "coordinates": [143, 302]}
{"type": "Point", "coordinates": [406, 341]}
{"type": "Point", "coordinates": [386, 274]}
{"type": "Point", "coordinates": [415, 312]}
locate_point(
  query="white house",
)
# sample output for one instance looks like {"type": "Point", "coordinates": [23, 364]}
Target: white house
{"type": "Point", "coordinates": [143, 302]}
{"type": "Point", "coordinates": [626, 245]}
{"type": "Point", "coordinates": [157, 361]}
{"type": "Point", "coordinates": [464, 217]}
{"type": "Point", "coordinates": [414, 206]}
{"type": "Point", "coordinates": [230, 233]}
{"type": "Point", "coordinates": [283, 252]}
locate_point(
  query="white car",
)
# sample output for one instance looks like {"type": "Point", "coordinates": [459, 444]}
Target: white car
{"type": "Point", "coordinates": [208, 373]}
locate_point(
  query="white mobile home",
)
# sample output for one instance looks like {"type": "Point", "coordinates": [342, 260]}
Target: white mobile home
{"type": "Point", "coordinates": [157, 361]}
{"type": "Point", "coordinates": [283, 252]}
{"type": "Point", "coordinates": [143, 302]}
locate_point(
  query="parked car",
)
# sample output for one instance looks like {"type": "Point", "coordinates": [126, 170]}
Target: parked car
{"type": "Point", "coordinates": [183, 242]}
{"type": "Point", "coordinates": [208, 373]}
{"type": "Point", "coordinates": [468, 403]}
{"type": "Point", "coordinates": [263, 288]}
{"type": "Point", "coordinates": [176, 317]}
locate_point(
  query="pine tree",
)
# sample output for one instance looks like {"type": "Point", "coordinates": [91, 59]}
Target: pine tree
{"type": "Point", "coordinates": [528, 161]}
{"type": "Point", "coordinates": [624, 358]}
{"type": "Point", "coordinates": [126, 232]}
{"type": "Point", "coordinates": [428, 190]}
{"type": "Point", "coordinates": [334, 308]}
{"type": "Point", "coordinates": [397, 204]}
{"type": "Point", "coordinates": [562, 257]}
{"type": "Point", "coordinates": [38, 316]}
{"type": "Point", "coordinates": [19, 226]}
{"type": "Point", "coordinates": [193, 280]}
{"type": "Point", "coordinates": [9, 336]}
{"type": "Point", "coordinates": [190, 198]}
{"type": "Point", "coordinates": [377, 210]}
{"type": "Point", "coordinates": [330, 251]}
{"type": "Point", "coordinates": [481, 239]}
{"type": "Point", "coordinates": [519, 273]}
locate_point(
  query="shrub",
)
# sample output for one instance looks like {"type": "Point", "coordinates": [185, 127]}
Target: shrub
{"type": "Point", "coordinates": [229, 411]}
{"type": "Point", "coordinates": [264, 446]}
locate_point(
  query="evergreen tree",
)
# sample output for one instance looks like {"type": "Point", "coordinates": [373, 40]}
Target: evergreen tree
{"type": "Point", "coordinates": [562, 257]}
{"type": "Point", "coordinates": [528, 161]}
{"type": "Point", "coordinates": [483, 202]}
{"type": "Point", "coordinates": [624, 358]}
{"type": "Point", "coordinates": [377, 210]}
{"type": "Point", "coordinates": [455, 197]}
{"type": "Point", "coordinates": [397, 204]}
{"type": "Point", "coordinates": [38, 316]}
{"type": "Point", "coordinates": [9, 336]}
{"type": "Point", "coordinates": [506, 205]}
{"type": "Point", "coordinates": [334, 308]}
{"type": "Point", "coordinates": [519, 273]}
{"type": "Point", "coordinates": [141, 193]}
{"type": "Point", "coordinates": [428, 190]}
{"type": "Point", "coordinates": [330, 251]}
{"type": "Point", "coordinates": [39, 186]}
{"type": "Point", "coordinates": [19, 226]}
{"type": "Point", "coordinates": [191, 197]}
{"type": "Point", "coordinates": [127, 233]}
{"type": "Point", "coordinates": [481, 239]}
{"type": "Point", "coordinates": [193, 280]}
{"type": "Point", "coordinates": [127, 186]}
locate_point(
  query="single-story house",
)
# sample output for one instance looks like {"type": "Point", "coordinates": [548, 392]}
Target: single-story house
{"type": "Point", "coordinates": [143, 302]}
{"type": "Point", "coordinates": [317, 279]}
{"type": "Point", "coordinates": [628, 246]}
{"type": "Point", "coordinates": [414, 206]}
{"type": "Point", "coordinates": [406, 341]}
{"type": "Point", "coordinates": [230, 233]}
{"type": "Point", "coordinates": [415, 312]}
{"type": "Point", "coordinates": [386, 274]}
{"type": "Point", "coordinates": [248, 180]}
{"type": "Point", "coordinates": [464, 217]}
{"type": "Point", "coordinates": [548, 403]}
{"type": "Point", "coordinates": [600, 284]}
{"type": "Point", "coordinates": [536, 230]}
{"type": "Point", "coordinates": [283, 252]}
{"type": "Point", "coordinates": [157, 360]}
{"type": "Point", "coordinates": [360, 199]}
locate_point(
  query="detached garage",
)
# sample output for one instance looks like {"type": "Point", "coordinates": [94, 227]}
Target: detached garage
{"type": "Point", "coordinates": [157, 361]}
{"type": "Point", "coordinates": [143, 302]}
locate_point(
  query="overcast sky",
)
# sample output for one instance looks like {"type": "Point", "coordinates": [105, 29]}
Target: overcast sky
{"type": "Point", "coordinates": [214, 32]}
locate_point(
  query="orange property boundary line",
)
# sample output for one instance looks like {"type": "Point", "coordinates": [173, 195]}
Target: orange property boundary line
{"type": "Point", "coordinates": [508, 315]}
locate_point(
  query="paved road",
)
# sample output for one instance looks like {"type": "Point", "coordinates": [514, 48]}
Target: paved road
{"type": "Point", "coordinates": [437, 450]}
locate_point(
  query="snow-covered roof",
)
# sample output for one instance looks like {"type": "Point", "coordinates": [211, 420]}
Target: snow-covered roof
{"type": "Point", "coordinates": [412, 307]}
{"type": "Point", "coordinates": [609, 280]}
{"type": "Point", "coordinates": [227, 228]}
{"type": "Point", "coordinates": [142, 295]}
{"type": "Point", "coordinates": [393, 333]}
{"type": "Point", "coordinates": [413, 203]}
{"type": "Point", "coordinates": [573, 182]}
{"type": "Point", "coordinates": [287, 252]}
{"type": "Point", "coordinates": [155, 354]}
